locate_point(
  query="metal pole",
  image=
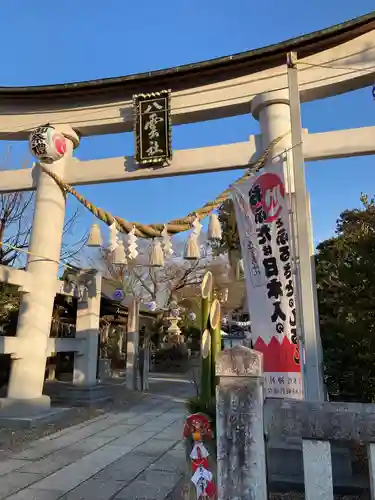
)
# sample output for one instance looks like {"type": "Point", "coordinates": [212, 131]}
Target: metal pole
{"type": "Point", "coordinates": [313, 379]}
{"type": "Point", "coordinates": [313, 272]}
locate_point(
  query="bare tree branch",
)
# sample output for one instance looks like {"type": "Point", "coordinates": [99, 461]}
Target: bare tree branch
{"type": "Point", "coordinates": [178, 277]}
{"type": "Point", "coordinates": [70, 251]}
{"type": "Point", "coordinates": [16, 215]}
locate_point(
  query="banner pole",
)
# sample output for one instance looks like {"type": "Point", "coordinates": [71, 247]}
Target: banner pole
{"type": "Point", "coordinates": [288, 174]}
{"type": "Point", "coordinates": [313, 379]}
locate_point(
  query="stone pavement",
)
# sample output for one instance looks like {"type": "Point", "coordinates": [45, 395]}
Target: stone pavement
{"type": "Point", "coordinates": [134, 454]}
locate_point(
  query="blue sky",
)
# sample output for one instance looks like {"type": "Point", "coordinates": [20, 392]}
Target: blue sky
{"type": "Point", "coordinates": [46, 42]}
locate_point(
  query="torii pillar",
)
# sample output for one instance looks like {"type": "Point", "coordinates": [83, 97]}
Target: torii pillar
{"type": "Point", "coordinates": [25, 389]}
{"type": "Point", "coordinates": [272, 109]}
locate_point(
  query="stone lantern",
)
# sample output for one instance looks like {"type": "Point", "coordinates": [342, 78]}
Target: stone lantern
{"type": "Point", "coordinates": [173, 317]}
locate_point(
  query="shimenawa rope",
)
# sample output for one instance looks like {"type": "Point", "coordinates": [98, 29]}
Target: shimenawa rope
{"type": "Point", "coordinates": [173, 227]}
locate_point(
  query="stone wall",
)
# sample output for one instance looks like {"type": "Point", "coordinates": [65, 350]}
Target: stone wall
{"type": "Point", "coordinates": [305, 445]}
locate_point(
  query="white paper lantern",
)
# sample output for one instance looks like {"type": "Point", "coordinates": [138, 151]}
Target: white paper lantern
{"type": "Point", "coordinates": [47, 144]}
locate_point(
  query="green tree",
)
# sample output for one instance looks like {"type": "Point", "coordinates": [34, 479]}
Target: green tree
{"type": "Point", "coordinates": [346, 294]}
{"type": "Point", "coordinates": [346, 291]}
{"type": "Point", "coordinates": [230, 240]}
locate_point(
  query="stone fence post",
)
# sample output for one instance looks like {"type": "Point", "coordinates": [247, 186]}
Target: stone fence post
{"type": "Point", "coordinates": [132, 345]}
{"type": "Point", "coordinates": [87, 328]}
{"type": "Point", "coordinates": [146, 367]}
{"type": "Point", "coordinates": [241, 460]}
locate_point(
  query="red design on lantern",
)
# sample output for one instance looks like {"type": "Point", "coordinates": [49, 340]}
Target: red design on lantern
{"type": "Point", "coordinates": [60, 143]}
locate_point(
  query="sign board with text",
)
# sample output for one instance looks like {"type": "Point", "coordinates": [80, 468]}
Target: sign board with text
{"type": "Point", "coordinates": [153, 128]}
{"type": "Point", "coordinates": [262, 213]}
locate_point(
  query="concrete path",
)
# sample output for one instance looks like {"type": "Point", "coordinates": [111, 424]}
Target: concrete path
{"type": "Point", "coordinates": [134, 454]}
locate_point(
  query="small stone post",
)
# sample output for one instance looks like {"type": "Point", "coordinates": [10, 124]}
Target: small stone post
{"type": "Point", "coordinates": [87, 329]}
{"type": "Point", "coordinates": [146, 368]}
{"type": "Point", "coordinates": [132, 345]}
{"type": "Point", "coordinates": [241, 459]}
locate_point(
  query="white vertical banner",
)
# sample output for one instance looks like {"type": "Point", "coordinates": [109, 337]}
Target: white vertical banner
{"type": "Point", "coordinates": [262, 212]}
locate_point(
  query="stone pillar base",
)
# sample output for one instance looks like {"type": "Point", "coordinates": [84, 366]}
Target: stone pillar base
{"type": "Point", "coordinates": [63, 393]}
{"type": "Point", "coordinates": [10, 407]}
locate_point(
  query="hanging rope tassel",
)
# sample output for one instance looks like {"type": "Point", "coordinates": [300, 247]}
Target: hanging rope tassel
{"type": "Point", "coordinates": [214, 228]}
{"type": "Point", "coordinates": [95, 238]}
{"type": "Point", "coordinates": [156, 254]}
{"type": "Point", "coordinates": [118, 254]}
{"type": "Point", "coordinates": [192, 250]}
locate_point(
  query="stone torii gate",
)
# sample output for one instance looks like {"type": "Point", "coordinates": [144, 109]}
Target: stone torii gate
{"type": "Point", "coordinates": [330, 62]}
